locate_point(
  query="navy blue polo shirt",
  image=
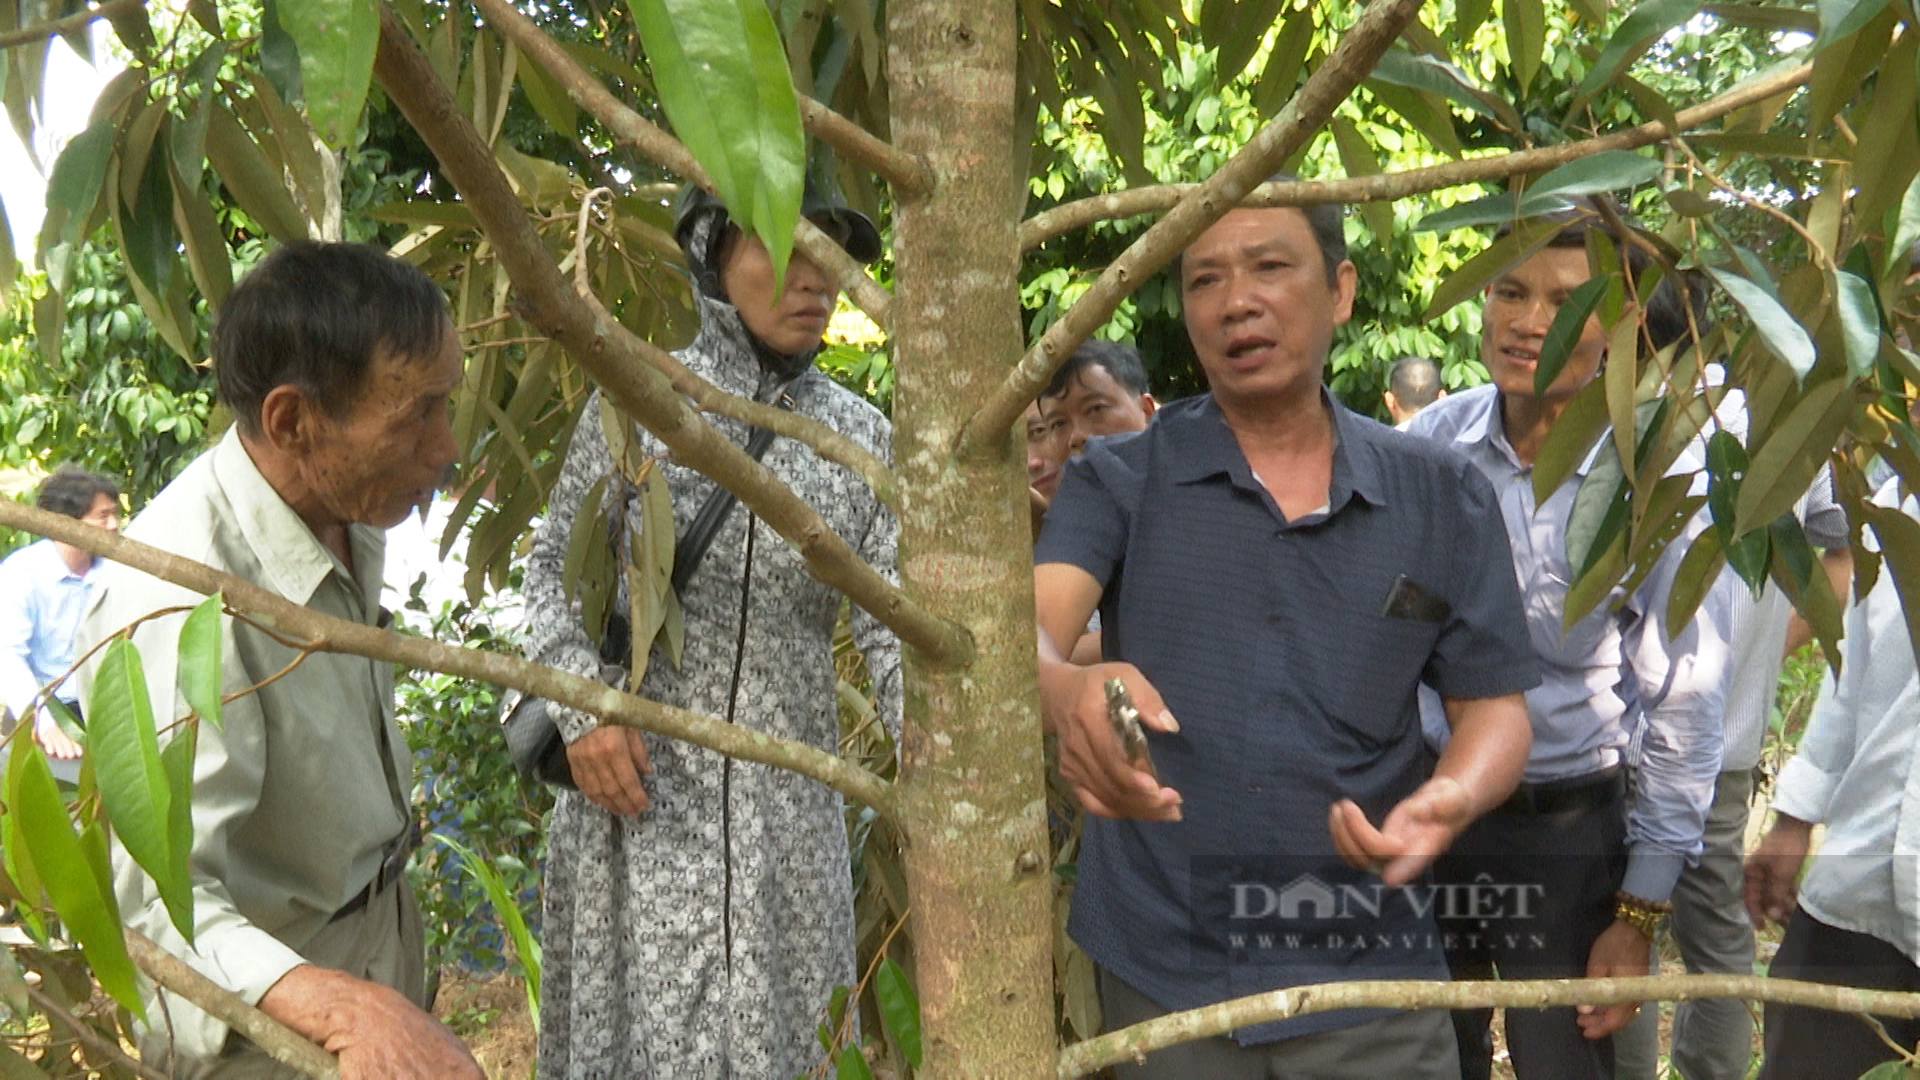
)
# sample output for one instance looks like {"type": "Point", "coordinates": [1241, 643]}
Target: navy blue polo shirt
{"type": "Point", "coordinates": [1290, 652]}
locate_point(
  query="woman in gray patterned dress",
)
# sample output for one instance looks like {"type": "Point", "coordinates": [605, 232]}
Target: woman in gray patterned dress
{"type": "Point", "coordinates": [695, 930]}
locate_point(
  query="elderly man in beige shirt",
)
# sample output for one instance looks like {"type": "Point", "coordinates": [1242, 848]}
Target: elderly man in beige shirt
{"type": "Point", "coordinates": [338, 362]}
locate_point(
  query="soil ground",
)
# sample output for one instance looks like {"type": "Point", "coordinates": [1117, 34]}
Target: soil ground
{"type": "Point", "coordinates": [490, 1014]}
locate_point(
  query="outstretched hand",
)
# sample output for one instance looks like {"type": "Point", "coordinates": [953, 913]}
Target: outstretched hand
{"type": "Point", "coordinates": [1416, 831]}
{"type": "Point", "coordinates": [1091, 759]}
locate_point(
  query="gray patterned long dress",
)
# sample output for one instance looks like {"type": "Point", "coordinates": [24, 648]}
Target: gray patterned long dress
{"type": "Point", "coordinates": [702, 940]}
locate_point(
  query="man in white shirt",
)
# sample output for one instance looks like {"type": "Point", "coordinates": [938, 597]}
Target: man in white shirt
{"type": "Point", "coordinates": [1855, 920]}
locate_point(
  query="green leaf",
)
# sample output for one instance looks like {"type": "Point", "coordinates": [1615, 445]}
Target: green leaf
{"type": "Point", "coordinates": [254, 182]}
{"type": "Point", "coordinates": [13, 985]}
{"type": "Point", "coordinates": [176, 760]}
{"type": "Point", "coordinates": [1840, 18]}
{"type": "Point", "coordinates": [199, 674]}
{"type": "Point", "coordinates": [1430, 73]}
{"type": "Point", "coordinates": [852, 1066]}
{"type": "Point", "coordinates": [1359, 159]}
{"type": "Point", "coordinates": [279, 56]}
{"type": "Point", "coordinates": [1907, 233]}
{"type": "Point", "coordinates": [88, 912]}
{"type": "Point", "coordinates": [74, 189]}
{"type": "Point", "coordinates": [1526, 23]}
{"type": "Point", "coordinates": [1609, 170]}
{"type": "Point", "coordinates": [151, 244]}
{"type": "Point", "coordinates": [1784, 336]}
{"type": "Point", "coordinates": [1859, 323]}
{"type": "Point", "coordinates": [1286, 63]}
{"type": "Point", "coordinates": [547, 98]}
{"type": "Point", "coordinates": [1491, 210]}
{"type": "Point", "coordinates": [15, 1066]}
{"type": "Point", "coordinates": [1639, 30]}
{"type": "Point", "coordinates": [1689, 203]}
{"type": "Point", "coordinates": [126, 752]}
{"type": "Point", "coordinates": [1514, 248]}
{"type": "Point", "coordinates": [722, 78]}
{"type": "Point", "coordinates": [899, 1008]}
{"type": "Point", "coordinates": [1698, 571]}
{"type": "Point", "coordinates": [1571, 440]}
{"type": "Point", "coordinates": [1796, 448]}
{"type": "Point", "coordinates": [1569, 323]}
{"type": "Point", "coordinates": [336, 40]}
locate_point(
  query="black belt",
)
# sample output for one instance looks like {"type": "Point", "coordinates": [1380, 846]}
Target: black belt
{"type": "Point", "coordinates": [1577, 793]}
{"type": "Point", "coordinates": [392, 866]}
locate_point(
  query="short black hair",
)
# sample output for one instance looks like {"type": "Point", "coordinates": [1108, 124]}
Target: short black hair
{"type": "Point", "coordinates": [1667, 309]}
{"type": "Point", "coordinates": [1415, 382]}
{"type": "Point", "coordinates": [1326, 220]}
{"type": "Point", "coordinates": [1120, 361]}
{"type": "Point", "coordinates": [72, 490]}
{"type": "Point", "coordinates": [312, 315]}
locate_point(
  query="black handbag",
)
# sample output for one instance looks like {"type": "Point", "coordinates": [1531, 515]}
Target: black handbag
{"type": "Point", "coordinates": [533, 740]}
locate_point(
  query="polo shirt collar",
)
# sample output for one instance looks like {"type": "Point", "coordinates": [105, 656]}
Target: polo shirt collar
{"type": "Point", "coordinates": [1205, 448]}
{"type": "Point", "coordinates": [290, 556]}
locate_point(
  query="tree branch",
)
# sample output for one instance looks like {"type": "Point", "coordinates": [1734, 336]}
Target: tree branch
{"type": "Point", "coordinates": [828, 443]}
{"type": "Point", "coordinates": [90, 1038]}
{"type": "Point", "coordinates": [1132, 1043]}
{"type": "Point", "coordinates": [631, 129]}
{"type": "Point", "coordinates": [1359, 50]}
{"type": "Point", "coordinates": [1066, 217]}
{"type": "Point", "coordinates": [316, 631]}
{"type": "Point", "coordinates": [282, 1043]}
{"type": "Point", "coordinates": [908, 175]}
{"type": "Point", "coordinates": [611, 354]}
{"type": "Point", "coordinates": [28, 35]}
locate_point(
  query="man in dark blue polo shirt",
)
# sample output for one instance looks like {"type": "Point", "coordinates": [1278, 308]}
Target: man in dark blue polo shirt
{"type": "Point", "coordinates": [1279, 574]}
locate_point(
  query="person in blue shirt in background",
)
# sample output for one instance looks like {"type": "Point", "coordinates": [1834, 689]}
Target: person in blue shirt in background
{"type": "Point", "coordinates": [1627, 721]}
{"type": "Point", "coordinates": [43, 590]}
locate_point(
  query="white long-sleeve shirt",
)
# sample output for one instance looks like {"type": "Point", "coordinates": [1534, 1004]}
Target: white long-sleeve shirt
{"type": "Point", "coordinates": [1855, 773]}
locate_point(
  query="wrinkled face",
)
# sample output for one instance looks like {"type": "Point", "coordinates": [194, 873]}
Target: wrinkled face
{"type": "Point", "coordinates": [1096, 404]}
{"type": "Point", "coordinates": [386, 456]}
{"type": "Point", "coordinates": [790, 323]}
{"type": "Point", "coordinates": [1521, 304]}
{"type": "Point", "coordinates": [1046, 450]}
{"type": "Point", "coordinates": [1258, 304]}
{"type": "Point", "coordinates": [104, 513]}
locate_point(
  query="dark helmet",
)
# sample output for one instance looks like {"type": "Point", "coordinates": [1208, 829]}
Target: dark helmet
{"type": "Point", "coordinates": [852, 229]}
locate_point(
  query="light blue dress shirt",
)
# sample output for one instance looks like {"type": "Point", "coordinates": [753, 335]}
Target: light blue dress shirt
{"type": "Point", "coordinates": [1614, 678]}
{"type": "Point", "coordinates": [1855, 773]}
{"type": "Point", "coordinates": [41, 600]}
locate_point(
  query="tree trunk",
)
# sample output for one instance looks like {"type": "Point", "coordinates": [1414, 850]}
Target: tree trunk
{"type": "Point", "coordinates": [972, 798]}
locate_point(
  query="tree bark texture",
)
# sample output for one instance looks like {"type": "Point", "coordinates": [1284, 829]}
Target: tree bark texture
{"type": "Point", "coordinates": [972, 795]}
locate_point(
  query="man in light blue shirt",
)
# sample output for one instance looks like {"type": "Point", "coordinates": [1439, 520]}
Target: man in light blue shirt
{"type": "Point", "coordinates": [1584, 860]}
{"type": "Point", "coordinates": [43, 591]}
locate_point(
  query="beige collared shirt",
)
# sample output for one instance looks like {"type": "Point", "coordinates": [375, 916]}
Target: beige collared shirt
{"type": "Point", "coordinates": [295, 796]}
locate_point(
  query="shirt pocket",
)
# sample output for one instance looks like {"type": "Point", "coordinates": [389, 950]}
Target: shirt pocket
{"type": "Point", "coordinates": [1379, 668]}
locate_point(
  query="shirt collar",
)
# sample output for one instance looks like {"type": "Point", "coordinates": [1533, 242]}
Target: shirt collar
{"type": "Point", "coordinates": [1204, 447]}
{"type": "Point", "coordinates": [290, 556]}
{"type": "Point", "coordinates": [1490, 429]}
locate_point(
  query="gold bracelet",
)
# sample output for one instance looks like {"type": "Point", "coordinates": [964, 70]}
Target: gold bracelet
{"type": "Point", "coordinates": [1642, 915]}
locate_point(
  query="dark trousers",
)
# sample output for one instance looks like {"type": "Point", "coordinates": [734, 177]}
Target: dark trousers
{"type": "Point", "coordinates": [1568, 863]}
{"type": "Point", "coordinates": [1813, 1044]}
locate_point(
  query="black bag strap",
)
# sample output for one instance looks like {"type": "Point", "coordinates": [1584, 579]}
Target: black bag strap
{"type": "Point", "coordinates": [691, 545]}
